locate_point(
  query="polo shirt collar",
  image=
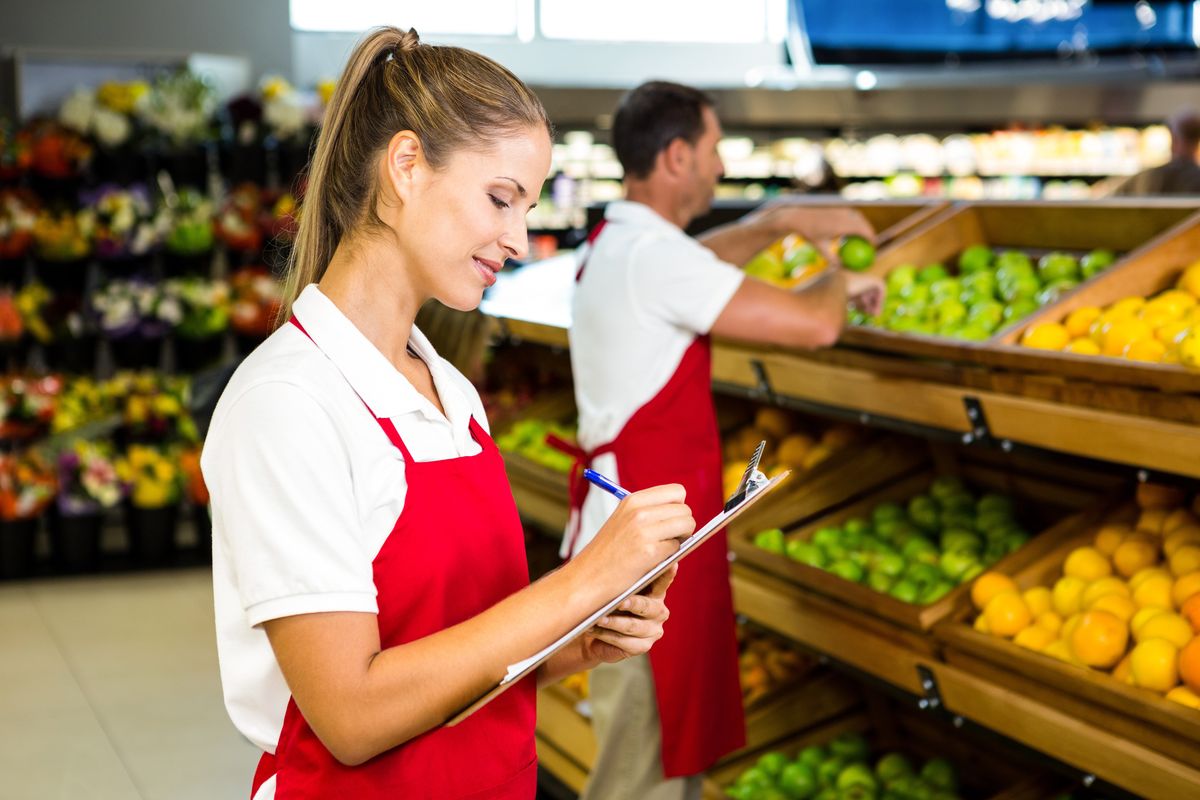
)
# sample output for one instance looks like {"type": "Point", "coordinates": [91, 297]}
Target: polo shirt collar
{"type": "Point", "coordinates": [380, 385]}
{"type": "Point", "coordinates": [629, 211]}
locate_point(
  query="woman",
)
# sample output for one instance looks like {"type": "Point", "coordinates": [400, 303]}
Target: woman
{"type": "Point", "coordinates": [368, 563]}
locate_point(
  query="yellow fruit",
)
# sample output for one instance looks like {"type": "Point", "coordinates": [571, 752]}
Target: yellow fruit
{"type": "Point", "coordinates": [1139, 578]}
{"type": "Point", "coordinates": [1143, 615]}
{"type": "Point", "coordinates": [1172, 627]}
{"type": "Point", "coordinates": [1189, 609]}
{"type": "Point", "coordinates": [1184, 560]}
{"type": "Point", "coordinates": [1033, 638]}
{"type": "Point", "coordinates": [1189, 350]}
{"type": "Point", "coordinates": [1189, 281]}
{"type": "Point", "coordinates": [1069, 626]}
{"type": "Point", "coordinates": [1154, 592]}
{"type": "Point", "coordinates": [1122, 334]}
{"type": "Point", "coordinates": [1007, 615]}
{"type": "Point", "coordinates": [1097, 589]}
{"type": "Point", "coordinates": [1184, 696]}
{"type": "Point", "coordinates": [1046, 336]}
{"type": "Point", "coordinates": [1177, 519]}
{"type": "Point", "coordinates": [1158, 315]}
{"type": "Point", "coordinates": [1118, 605]}
{"type": "Point", "coordinates": [1179, 302]}
{"type": "Point", "coordinates": [1173, 333]}
{"type": "Point", "coordinates": [732, 477]}
{"type": "Point", "coordinates": [1189, 664]}
{"type": "Point", "coordinates": [1150, 350]}
{"type": "Point", "coordinates": [1185, 586]}
{"type": "Point", "coordinates": [1126, 307]}
{"type": "Point", "coordinates": [1155, 495]}
{"type": "Point", "coordinates": [1133, 555]}
{"type": "Point", "coordinates": [1154, 665]}
{"type": "Point", "coordinates": [816, 456]}
{"type": "Point", "coordinates": [988, 585]}
{"type": "Point", "coordinates": [1079, 321]}
{"type": "Point", "coordinates": [1083, 347]}
{"type": "Point", "coordinates": [1062, 652]}
{"type": "Point", "coordinates": [1151, 521]}
{"type": "Point", "coordinates": [981, 624]}
{"type": "Point", "coordinates": [1110, 536]}
{"type": "Point", "coordinates": [1050, 620]}
{"type": "Point", "coordinates": [1038, 599]}
{"type": "Point", "coordinates": [838, 436]}
{"type": "Point", "coordinates": [1067, 594]}
{"type": "Point", "coordinates": [1189, 534]}
{"type": "Point", "coordinates": [794, 449]}
{"type": "Point", "coordinates": [775, 421]}
{"type": "Point", "coordinates": [1099, 639]}
{"type": "Point", "coordinates": [1087, 563]}
{"type": "Point", "coordinates": [1123, 671]}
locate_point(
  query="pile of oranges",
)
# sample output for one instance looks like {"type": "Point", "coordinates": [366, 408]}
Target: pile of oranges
{"type": "Point", "coordinates": [1128, 603]}
{"type": "Point", "coordinates": [1163, 329]}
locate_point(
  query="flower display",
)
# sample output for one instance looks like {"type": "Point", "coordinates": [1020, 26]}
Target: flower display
{"type": "Point", "coordinates": [87, 478]}
{"type": "Point", "coordinates": [204, 306]}
{"type": "Point", "coordinates": [16, 153]}
{"type": "Point", "coordinates": [189, 463]}
{"type": "Point", "coordinates": [151, 476]}
{"type": "Point", "coordinates": [12, 327]}
{"type": "Point", "coordinates": [27, 485]}
{"type": "Point", "coordinates": [155, 408]}
{"type": "Point", "coordinates": [18, 215]}
{"type": "Point", "coordinates": [188, 220]}
{"type": "Point", "coordinates": [27, 405]}
{"type": "Point", "coordinates": [57, 151]}
{"type": "Point", "coordinates": [237, 223]}
{"type": "Point", "coordinates": [180, 108]}
{"type": "Point", "coordinates": [282, 218]}
{"type": "Point", "coordinates": [121, 221]}
{"type": "Point", "coordinates": [47, 316]}
{"type": "Point", "coordinates": [134, 307]}
{"type": "Point", "coordinates": [84, 401]}
{"type": "Point", "coordinates": [284, 111]}
{"type": "Point", "coordinates": [108, 114]}
{"type": "Point", "coordinates": [61, 236]}
{"type": "Point", "coordinates": [257, 297]}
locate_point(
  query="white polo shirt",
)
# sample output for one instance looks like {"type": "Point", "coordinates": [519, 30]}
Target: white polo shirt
{"type": "Point", "coordinates": [306, 487]}
{"type": "Point", "coordinates": [648, 289]}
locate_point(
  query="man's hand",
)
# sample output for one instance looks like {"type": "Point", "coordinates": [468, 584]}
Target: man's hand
{"type": "Point", "coordinates": [820, 226]}
{"type": "Point", "coordinates": [865, 292]}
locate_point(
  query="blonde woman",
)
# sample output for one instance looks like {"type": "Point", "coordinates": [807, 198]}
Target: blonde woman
{"type": "Point", "coordinates": [368, 563]}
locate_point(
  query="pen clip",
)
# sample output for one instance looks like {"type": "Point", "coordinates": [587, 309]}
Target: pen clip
{"type": "Point", "coordinates": [752, 479]}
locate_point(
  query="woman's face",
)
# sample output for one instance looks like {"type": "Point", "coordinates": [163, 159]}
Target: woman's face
{"type": "Point", "coordinates": [458, 225]}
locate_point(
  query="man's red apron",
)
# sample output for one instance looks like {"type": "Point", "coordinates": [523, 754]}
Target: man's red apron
{"type": "Point", "coordinates": [674, 439]}
{"type": "Point", "coordinates": [456, 550]}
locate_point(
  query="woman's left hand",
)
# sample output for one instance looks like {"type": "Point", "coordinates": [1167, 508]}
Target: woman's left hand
{"type": "Point", "coordinates": [634, 627]}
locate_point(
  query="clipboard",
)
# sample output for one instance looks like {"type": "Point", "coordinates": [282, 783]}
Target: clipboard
{"type": "Point", "coordinates": [752, 487]}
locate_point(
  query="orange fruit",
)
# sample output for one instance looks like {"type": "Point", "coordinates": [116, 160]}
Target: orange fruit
{"type": "Point", "coordinates": [1050, 620]}
{"type": "Point", "coordinates": [1046, 336]}
{"type": "Point", "coordinates": [1151, 350]}
{"type": "Point", "coordinates": [1154, 591]}
{"type": "Point", "coordinates": [1190, 611]}
{"type": "Point", "coordinates": [988, 585]}
{"type": "Point", "coordinates": [1123, 333]}
{"type": "Point", "coordinates": [1189, 664]}
{"type": "Point", "coordinates": [1143, 615]}
{"type": "Point", "coordinates": [1188, 534]}
{"type": "Point", "coordinates": [1079, 321]}
{"type": "Point", "coordinates": [1186, 559]}
{"type": "Point", "coordinates": [1179, 518]}
{"type": "Point", "coordinates": [1184, 696]}
{"type": "Point", "coordinates": [1144, 575]}
{"type": "Point", "coordinates": [1038, 599]}
{"type": "Point", "coordinates": [1097, 589]}
{"type": "Point", "coordinates": [1133, 555]}
{"type": "Point", "coordinates": [981, 624]}
{"type": "Point", "coordinates": [1123, 671]}
{"type": "Point", "coordinates": [1118, 605]}
{"type": "Point", "coordinates": [1067, 595]}
{"type": "Point", "coordinates": [1083, 347]}
{"type": "Point", "coordinates": [1151, 521]}
{"type": "Point", "coordinates": [1087, 563]}
{"type": "Point", "coordinates": [1007, 615]}
{"type": "Point", "coordinates": [1172, 627]}
{"type": "Point", "coordinates": [1154, 664]}
{"type": "Point", "coordinates": [1034, 638]}
{"type": "Point", "coordinates": [1110, 536]}
{"type": "Point", "coordinates": [794, 449]}
{"type": "Point", "coordinates": [1155, 495]}
{"type": "Point", "coordinates": [1099, 639]}
{"type": "Point", "coordinates": [1062, 652]}
{"type": "Point", "coordinates": [1069, 626]}
{"type": "Point", "coordinates": [1186, 587]}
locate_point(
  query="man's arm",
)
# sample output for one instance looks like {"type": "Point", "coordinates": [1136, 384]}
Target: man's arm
{"type": "Point", "coordinates": [739, 241]}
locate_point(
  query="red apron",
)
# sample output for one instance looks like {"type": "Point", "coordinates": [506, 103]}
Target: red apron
{"type": "Point", "coordinates": [456, 550]}
{"type": "Point", "coordinates": [674, 439]}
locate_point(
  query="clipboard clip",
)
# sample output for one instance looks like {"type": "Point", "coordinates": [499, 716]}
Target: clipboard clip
{"type": "Point", "coordinates": [752, 479]}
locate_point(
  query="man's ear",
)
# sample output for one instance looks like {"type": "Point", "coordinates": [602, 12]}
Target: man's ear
{"type": "Point", "coordinates": [676, 157]}
{"type": "Point", "coordinates": [402, 163]}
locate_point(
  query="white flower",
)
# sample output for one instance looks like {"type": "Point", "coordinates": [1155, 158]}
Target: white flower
{"type": "Point", "coordinates": [285, 115]}
{"type": "Point", "coordinates": [170, 310]}
{"type": "Point", "coordinates": [78, 110]}
{"type": "Point", "coordinates": [112, 128]}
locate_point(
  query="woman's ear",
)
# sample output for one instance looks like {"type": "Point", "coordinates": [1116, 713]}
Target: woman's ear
{"type": "Point", "coordinates": [402, 163]}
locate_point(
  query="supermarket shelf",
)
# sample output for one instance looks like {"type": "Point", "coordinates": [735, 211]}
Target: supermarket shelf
{"type": "Point", "coordinates": [540, 492]}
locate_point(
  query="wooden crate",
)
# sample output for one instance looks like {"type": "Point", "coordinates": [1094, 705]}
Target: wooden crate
{"type": "Point", "coordinates": [1091, 696]}
{"type": "Point", "coordinates": [888, 728]}
{"type": "Point", "coordinates": [1145, 272]}
{"type": "Point", "coordinates": [891, 219]}
{"type": "Point", "coordinates": [1055, 510]}
{"type": "Point", "coordinates": [1034, 226]}
{"type": "Point", "coordinates": [540, 492]}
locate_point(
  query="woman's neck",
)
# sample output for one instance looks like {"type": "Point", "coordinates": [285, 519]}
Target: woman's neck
{"type": "Point", "coordinates": [367, 283]}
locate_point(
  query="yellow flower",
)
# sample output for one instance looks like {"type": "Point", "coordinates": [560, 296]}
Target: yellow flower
{"type": "Point", "coordinates": [137, 409]}
{"type": "Point", "coordinates": [325, 90]}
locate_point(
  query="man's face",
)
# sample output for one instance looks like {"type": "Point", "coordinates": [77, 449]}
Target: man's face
{"type": "Point", "coordinates": [707, 168]}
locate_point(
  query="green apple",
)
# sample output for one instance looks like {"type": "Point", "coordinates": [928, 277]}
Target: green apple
{"type": "Point", "coordinates": [857, 775]}
{"type": "Point", "coordinates": [827, 535]}
{"type": "Point", "coordinates": [847, 570]}
{"type": "Point", "coordinates": [905, 591]}
{"type": "Point", "coordinates": [880, 582]}
{"type": "Point", "coordinates": [886, 511]}
{"type": "Point", "coordinates": [1020, 309]}
{"type": "Point", "coordinates": [922, 574]}
{"type": "Point", "coordinates": [915, 293]}
{"type": "Point", "coordinates": [944, 487]}
{"type": "Point", "coordinates": [949, 312]}
{"type": "Point", "coordinates": [924, 511]}
{"type": "Point", "coordinates": [856, 526]}
{"type": "Point", "coordinates": [995, 502]}
{"type": "Point", "coordinates": [1096, 262]}
{"type": "Point", "coordinates": [976, 258]}
{"type": "Point", "coordinates": [812, 756]}
{"type": "Point", "coordinates": [955, 563]}
{"type": "Point", "coordinates": [856, 253]}
{"type": "Point", "coordinates": [939, 773]}
{"type": "Point", "coordinates": [1052, 292]}
{"type": "Point", "coordinates": [766, 266]}
{"type": "Point", "coordinates": [918, 547]}
{"type": "Point", "coordinates": [931, 273]}
{"type": "Point", "coordinates": [827, 773]}
{"type": "Point", "coordinates": [946, 288]}
{"type": "Point", "coordinates": [770, 539]}
{"type": "Point", "coordinates": [755, 777]}
{"type": "Point", "coordinates": [1014, 260]}
{"type": "Point", "coordinates": [772, 763]}
{"type": "Point", "coordinates": [900, 277]}
{"type": "Point", "coordinates": [1022, 286]}
{"type": "Point", "coordinates": [1058, 266]}
{"type": "Point", "coordinates": [849, 747]}
{"type": "Point", "coordinates": [893, 766]}
{"type": "Point", "coordinates": [798, 780]}
{"type": "Point", "coordinates": [935, 591]}
{"type": "Point", "coordinates": [973, 573]}
{"type": "Point", "coordinates": [806, 553]}
{"type": "Point", "coordinates": [799, 258]}
{"type": "Point", "coordinates": [973, 333]}
{"type": "Point", "coordinates": [986, 315]}
{"type": "Point", "coordinates": [954, 539]}
{"type": "Point", "coordinates": [890, 564]}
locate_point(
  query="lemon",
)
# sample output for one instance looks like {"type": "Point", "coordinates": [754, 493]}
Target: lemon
{"type": "Point", "coordinates": [1046, 336]}
{"type": "Point", "coordinates": [1189, 350]}
{"type": "Point", "coordinates": [1087, 563]}
{"type": "Point", "coordinates": [1079, 321]}
{"type": "Point", "coordinates": [1123, 333]}
{"type": "Point", "coordinates": [1067, 595]}
{"type": "Point", "coordinates": [1038, 599]}
{"type": "Point", "coordinates": [1151, 350]}
{"type": "Point", "coordinates": [1154, 665]}
{"type": "Point", "coordinates": [1172, 627]}
{"type": "Point", "coordinates": [1083, 347]}
{"type": "Point", "coordinates": [1098, 588]}
{"type": "Point", "coordinates": [1050, 620]}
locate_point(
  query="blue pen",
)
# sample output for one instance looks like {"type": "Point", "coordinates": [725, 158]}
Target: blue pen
{"type": "Point", "coordinates": [605, 484]}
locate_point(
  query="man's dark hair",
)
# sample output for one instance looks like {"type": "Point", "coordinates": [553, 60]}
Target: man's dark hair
{"type": "Point", "coordinates": [652, 116]}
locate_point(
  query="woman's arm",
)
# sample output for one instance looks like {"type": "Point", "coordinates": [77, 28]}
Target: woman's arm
{"type": "Point", "coordinates": [362, 700]}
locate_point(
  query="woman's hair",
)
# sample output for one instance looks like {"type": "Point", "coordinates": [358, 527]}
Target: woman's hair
{"type": "Point", "coordinates": [449, 97]}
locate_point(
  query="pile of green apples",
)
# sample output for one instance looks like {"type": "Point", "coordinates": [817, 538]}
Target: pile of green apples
{"type": "Point", "coordinates": [917, 552]}
{"type": "Point", "coordinates": [991, 290]}
{"type": "Point", "coordinates": [527, 438]}
{"type": "Point", "coordinates": [842, 770]}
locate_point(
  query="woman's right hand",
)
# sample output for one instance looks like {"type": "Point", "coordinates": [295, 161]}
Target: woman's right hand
{"type": "Point", "coordinates": [646, 528]}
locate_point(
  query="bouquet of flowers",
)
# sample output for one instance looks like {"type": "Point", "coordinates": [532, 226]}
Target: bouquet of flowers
{"type": "Point", "coordinates": [155, 409]}
{"type": "Point", "coordinates": [204, 306]}
{"type": "Point", "coordinates": [180, 109]}
{"type": "Point", "coordinates": [16, 153]}
{"type": "Point", "coordinates": [18, 214]}
{"type": "Point", "coordinates": [284, 111]}
{"type": "Point", "coordinates": [27, 406]}
{"type": "Point", "coordinates": [49, 317]}
{"type": "Point", "coordinates": [87, 478]}
{"type": "Point", "coordinates": [121, 221]}
{"type": "Point", "coordinates": [57, 152]}
{"type": "Point", "coordinates": [279, 219]}
{"type": "Point", "coordinates": [151, 476]}
{"type": "Point", "coordinates": [188, 221]}
{"type": "Point", "coordinates": [134, 308]}
{"type": "Point", "coordinates": [61, 236]}
{"type": "Point", "coordinates": [12, 327]}
{"type": "Point", "coordinates": [83, 401]}
{"type": "Point", "coordinates": [257, 297]}
{"type": "Point", "coordinates": [189, 463]}
{"type": "Point", "coordinates": [237, 224]}
{"type": "Point", "coordinates": [27, 485]}
{"type": "Point", "coordinates": [107, 114]}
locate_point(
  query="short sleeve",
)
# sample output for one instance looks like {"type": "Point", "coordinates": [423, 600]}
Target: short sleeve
{"type": "Point", "coordinates": [281, 486]}
{"type": "Point", "coordinates": [681, 282]}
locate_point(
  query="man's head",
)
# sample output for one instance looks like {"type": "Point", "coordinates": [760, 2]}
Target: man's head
{"type": "Point", "coordinates": [665, 135]}
{"type": "Point", "coordinates": [1185, 133]}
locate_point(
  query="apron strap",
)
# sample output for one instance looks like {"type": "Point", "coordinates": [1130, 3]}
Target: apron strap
{"type": "Point", "coordinates": [577, 485]}
{"type": "Point", "coordinates": [591, 242]}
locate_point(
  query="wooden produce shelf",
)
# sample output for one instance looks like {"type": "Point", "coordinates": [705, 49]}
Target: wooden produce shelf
{"type": "Point", "coordinates": [1051, 511]}
{"type": "Point", "coordinates": [560, 765]}
{"type": "Point", "coordinates": [540, 492]}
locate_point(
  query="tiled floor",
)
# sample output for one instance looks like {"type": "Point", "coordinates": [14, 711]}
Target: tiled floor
{"type": "Point", "coordinates": [109, 690]}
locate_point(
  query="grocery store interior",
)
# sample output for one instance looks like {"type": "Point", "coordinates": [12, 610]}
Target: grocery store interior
{"type": "Point", "coordinates": [982, 576]}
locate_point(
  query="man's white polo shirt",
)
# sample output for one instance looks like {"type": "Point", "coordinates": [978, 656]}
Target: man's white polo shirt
{"type": "Point", "coordinates": [648, 289]}
{"type": "Point", "coordinates": [306, 487]}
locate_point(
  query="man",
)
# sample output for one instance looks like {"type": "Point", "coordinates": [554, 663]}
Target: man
{"type": "Point", "coordinates": [647, 296]}
{"type": "Point", "coordinates": [1180, 175]}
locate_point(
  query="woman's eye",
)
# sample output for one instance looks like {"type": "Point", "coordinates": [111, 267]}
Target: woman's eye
{"type": "Point", "coordinates": [497, 202]}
